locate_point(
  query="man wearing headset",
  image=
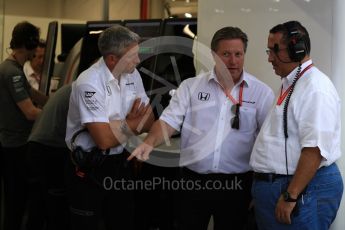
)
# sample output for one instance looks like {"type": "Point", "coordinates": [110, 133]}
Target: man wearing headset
{"type": "Point", "coordinates": [297, 184]}
{"type": "Point", "coordinates": [108, 100]}
{"type": "Point", "coordinates": [18, 112]}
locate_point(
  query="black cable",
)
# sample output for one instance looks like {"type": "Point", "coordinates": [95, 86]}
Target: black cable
{"type": "Point", "coordinates": [285, 110]}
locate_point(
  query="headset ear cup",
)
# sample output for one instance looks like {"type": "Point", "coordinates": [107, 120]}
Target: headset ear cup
{"type": "Point", "coordinates": [297, 49]}
{"type": "Point", "coordinates": [300, 50]}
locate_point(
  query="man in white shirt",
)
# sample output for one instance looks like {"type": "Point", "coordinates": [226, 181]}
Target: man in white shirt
{"type": "Point", "coordinates": [108, 101]}
{"type": "Point", "coordinates": [219, 114]}
{"type": "Point", "coordinates": [297, 184]}
{"type": "Point", "coordinates": [33, 67]}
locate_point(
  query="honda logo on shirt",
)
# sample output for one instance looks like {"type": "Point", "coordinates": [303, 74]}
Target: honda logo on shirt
{"type": "Point", "coordinates": [203, 96]}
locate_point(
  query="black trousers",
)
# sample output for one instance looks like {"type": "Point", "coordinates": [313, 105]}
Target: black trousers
{"type": "Point", "coordinates": [15, 186]}
{"type": "Point", "coordinates": [47, 201]}
{"type": "Point", "coordinates": [226, 197]}
{"type": "Point", "coordinates": [1, 184]}
{"type": "Point", "coordinates": [101, 198]}
{"type": "Point", "coordinates": [155, 208]}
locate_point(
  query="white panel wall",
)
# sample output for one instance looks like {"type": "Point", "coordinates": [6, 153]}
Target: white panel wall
{"type": "Point", "coordinates": [257, 17]}
{"type": "Point", "coordinates": [73, 9]}
{"type": "Point", "coordinates": [338, 60]}
{"type": "Point", "coordinates": [41, 12]}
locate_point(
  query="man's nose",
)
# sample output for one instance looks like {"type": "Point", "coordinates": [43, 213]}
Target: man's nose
{"type": "Point", "coordinates": [270, 57]}
{"type": "Point", "coordinates": [232, 59]}
{"type": "Point", "coordinates": [137, 59]}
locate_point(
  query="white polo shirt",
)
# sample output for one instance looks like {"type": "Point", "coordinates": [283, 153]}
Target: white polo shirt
{"type": "Point", "coordinates": [313, 120]}
{"type": "Point", "coordinates": [202, 112]}
{"type": "Point", "coordinates": [30, 75]}
{"type": "Point", "coordinates": [97, 96]}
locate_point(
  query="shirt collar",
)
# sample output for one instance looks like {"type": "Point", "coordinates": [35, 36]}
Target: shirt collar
{"type": "Point", "coordinates": [212, 76]}
{"type": "Point", "coordinates": [108, 76]}
{"type": "Point", "coordinates": [28, 70]}
{"type": "Point", "coordinates": [287, 81]}
{"type": "Point", "coordinates": [244, 77]}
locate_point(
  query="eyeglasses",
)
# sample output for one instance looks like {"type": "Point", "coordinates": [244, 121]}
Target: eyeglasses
{"type": "Point", "coordinates": [235, 121]}
{"type": "Point", "coordinates": [274, 50]}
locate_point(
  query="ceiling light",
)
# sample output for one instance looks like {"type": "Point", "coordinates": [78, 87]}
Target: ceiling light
{"type": "Point", "coordinates": [273, 9]}
{"type": "Point", "coordinates": [188, 15]}
{"type": "Point", "coordinates": [219, 11]}
{"type": "Point", "coordinates": [246, 10]}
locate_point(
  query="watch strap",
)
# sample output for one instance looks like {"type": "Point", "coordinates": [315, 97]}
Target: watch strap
{"type": "Point", "coordinates": [287, 197]}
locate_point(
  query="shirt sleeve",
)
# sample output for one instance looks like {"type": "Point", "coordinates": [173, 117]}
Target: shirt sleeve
{"type": "Point", "coordinates": [178, 106]}
{"type": "Point", "coordinates": [18, 87]}
{"type": "Point", "coordinates": [319, 120]}
{"type": "Point", "coordinates": [91, 104]}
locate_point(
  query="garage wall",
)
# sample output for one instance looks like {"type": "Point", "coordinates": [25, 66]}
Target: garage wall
{"type": "Point", "coordinates": [41, 12]}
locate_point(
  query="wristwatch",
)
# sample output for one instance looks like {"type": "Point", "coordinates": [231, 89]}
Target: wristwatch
{"type": "Point", "coordinates": [288, 198]}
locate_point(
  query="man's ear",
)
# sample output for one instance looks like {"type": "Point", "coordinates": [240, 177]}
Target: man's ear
{"type": "Point", "coordinates": [111, 60]}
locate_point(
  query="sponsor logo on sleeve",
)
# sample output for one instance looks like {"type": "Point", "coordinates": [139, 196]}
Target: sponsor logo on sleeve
{"type": "Point", "coordinates": [91, 103]}
{"type": "Point", "coordinates": [18, 84]}
{"type": "Point", "coordinates": [89, 94]}
{"type": "Point", "coordinates": [16, 79]}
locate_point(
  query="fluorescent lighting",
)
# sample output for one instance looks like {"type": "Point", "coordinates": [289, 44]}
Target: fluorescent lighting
{"type": "Point", "coordinates": [246, 10]}
{"type": "Point", "coordinates": [219, 11]}
{"type": "Point", "coordinates": [188, 15]}
{"type": "Point", "coordinates": [273, 9]}
{"type": "Point", "coordinates": [95, 31]}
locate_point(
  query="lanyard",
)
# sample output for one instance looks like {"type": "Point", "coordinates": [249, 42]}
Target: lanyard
{"type": "Point", "coordinates": [282, 95]}
{"type": "Point", "coordinates": [239, 95]}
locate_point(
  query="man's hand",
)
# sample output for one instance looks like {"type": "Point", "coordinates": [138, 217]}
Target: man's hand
{"type": "Point", "coordinates": [138, 116]}
{"type": "Point", "coordinates": [284, 210]}
{"type": "Point", "coordinates": [142, 152]}
{"type": "Point", "coordinates": [138, 109]}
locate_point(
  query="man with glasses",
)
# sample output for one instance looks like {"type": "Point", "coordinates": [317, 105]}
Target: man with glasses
{"type": "Point", "coordinates": [297, 184]}
{"type": "Point", "coordinates": [219, 114]}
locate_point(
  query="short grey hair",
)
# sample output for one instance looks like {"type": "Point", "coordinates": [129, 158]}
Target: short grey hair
{"type": "Point", "coordinates": [115, 39]}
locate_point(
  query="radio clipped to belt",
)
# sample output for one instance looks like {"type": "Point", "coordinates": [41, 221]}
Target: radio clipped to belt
{"type": "Point", "coordinates": [86, 161]}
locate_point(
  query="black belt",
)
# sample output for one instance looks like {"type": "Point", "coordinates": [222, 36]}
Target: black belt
{"type": "Point", "coordinates": [269, 177]}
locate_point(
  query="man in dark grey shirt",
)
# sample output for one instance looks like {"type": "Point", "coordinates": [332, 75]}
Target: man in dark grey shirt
{"type": "Point", "coordinates": [47, 155]}
{"type": "Point", "coordinates": [18, 111]}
